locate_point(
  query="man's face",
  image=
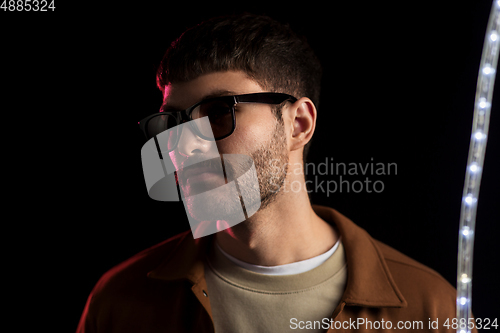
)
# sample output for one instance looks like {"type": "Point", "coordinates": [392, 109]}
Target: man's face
{"type": "Point", "coordinates": [258, 134]}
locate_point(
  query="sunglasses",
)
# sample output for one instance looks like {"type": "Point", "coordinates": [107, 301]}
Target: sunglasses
{"type": "Point", "coordinates": [220, 113]}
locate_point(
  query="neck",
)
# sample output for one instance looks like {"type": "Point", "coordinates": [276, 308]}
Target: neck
{"type": "Point", "coordinates": [286, 231]}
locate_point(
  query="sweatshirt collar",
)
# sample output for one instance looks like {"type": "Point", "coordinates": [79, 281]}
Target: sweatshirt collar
{"type": "Point", "coordinates": [369, 281]}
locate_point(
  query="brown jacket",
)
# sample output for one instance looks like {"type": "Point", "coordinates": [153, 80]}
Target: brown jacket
{"type": "Point", "coordinates": [163, 289]}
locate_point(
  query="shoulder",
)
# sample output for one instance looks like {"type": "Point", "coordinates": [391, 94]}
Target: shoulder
{"type": "Point", "coordinates": [401, 263]}
{"type": "Point", "coordinates": [367, 255]}
{"type": "Point", "coordinates": [125, 290]}
{"type": "Point", "coordinates": [136, 268]}
{"type": "Point", "coordinates": [418, 283]}
{"type": "Point", "coordinates": [392, 255]}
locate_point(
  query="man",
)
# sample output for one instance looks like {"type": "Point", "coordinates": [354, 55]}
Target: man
{"type": "Point", "coordinates": [289, 265]}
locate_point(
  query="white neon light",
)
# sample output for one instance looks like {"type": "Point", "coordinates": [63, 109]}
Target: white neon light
{"type": "Point", "coordinates": [483, 103]}
{"type": "Point", "coordinates": [487, 70]}
{"type": "Point", "coordinates": [474, 167]}
{"type": "Point", "coordinates": [493, 36]}
{"type": "Point", "coordinates": [465, 278]}
{"type": "Point", "coordinates": [479, 135]}
{"type": "Point", "coordinates": [470, 200]}
{"type": "Point", "coordinates": [482, 109]}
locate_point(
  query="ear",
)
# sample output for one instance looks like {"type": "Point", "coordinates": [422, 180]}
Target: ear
{"type": "Point", "coordinates": [303, 116]}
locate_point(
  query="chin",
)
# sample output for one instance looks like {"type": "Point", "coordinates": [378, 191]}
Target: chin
{"type": "Point", "coordinates": [214, 205]}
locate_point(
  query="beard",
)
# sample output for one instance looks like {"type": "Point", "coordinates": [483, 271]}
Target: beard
{"type": "Point", "coordinates": [221, 207]}
{"type": "Point", "coordinates": [271, 165]}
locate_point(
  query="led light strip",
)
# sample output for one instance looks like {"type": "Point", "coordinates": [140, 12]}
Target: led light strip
{"type": "Point", "coordinates": [482, 108]}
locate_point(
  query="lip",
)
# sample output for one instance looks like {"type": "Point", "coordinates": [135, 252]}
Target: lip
{"type": "Point", "coordinates": [196, 175]}
{"type": "Point", "coordinates": [203, 177]}
{"type": "Point", "coordinates": [191, 172]}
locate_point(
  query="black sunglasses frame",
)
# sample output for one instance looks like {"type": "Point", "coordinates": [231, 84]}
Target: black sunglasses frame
{"type": "Point", "coordinates": [185, 115]}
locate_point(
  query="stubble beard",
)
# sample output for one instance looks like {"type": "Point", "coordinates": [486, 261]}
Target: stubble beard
{"type": "Point", "coordinates": [266, 159]}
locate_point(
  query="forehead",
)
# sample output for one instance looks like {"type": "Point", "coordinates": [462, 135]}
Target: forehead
{"type": "Point", "coordinates": [182, 95]}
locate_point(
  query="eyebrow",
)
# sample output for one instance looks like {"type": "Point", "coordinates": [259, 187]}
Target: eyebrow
{"type": "Point", "coordinates": [213, 94]}
{"type": "Point", "coordinates": [219, 93]}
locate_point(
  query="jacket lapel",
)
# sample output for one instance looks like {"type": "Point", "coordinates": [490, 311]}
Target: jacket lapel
{"type": "Point", "coordinates": [369, 281]}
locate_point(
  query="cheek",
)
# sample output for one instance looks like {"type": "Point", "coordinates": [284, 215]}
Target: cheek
{"type": "Point", "coordinates": [250, 134]}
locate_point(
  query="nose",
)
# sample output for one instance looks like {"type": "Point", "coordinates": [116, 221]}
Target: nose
{"type": "Point", "coordinates": [190, 144]}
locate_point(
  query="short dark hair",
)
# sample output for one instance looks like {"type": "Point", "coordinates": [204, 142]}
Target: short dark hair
{"type": "Point", "coordinates": [268, 51]}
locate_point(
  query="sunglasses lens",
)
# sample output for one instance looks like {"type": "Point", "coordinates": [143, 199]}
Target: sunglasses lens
{"type": "Point", "coordinates": [163, 124]}
{"type": "Point", "coordinates": [160, 123]}
{"type": "Point", "coordinates": [219, 115]}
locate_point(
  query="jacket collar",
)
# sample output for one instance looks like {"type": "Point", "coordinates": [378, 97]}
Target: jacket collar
{"type": "Point", "coordinates": [369, 280]}
{"type": "Point", "coordinates": [185, 261]}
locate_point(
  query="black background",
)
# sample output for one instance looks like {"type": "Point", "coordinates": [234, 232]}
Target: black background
{"type": "Point", "coordinates": [399, 85]}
